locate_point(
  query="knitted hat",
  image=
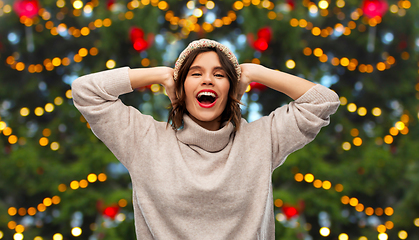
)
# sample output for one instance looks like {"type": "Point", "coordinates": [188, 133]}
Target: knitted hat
{"type": "Point", "coordinates": [206, 43]}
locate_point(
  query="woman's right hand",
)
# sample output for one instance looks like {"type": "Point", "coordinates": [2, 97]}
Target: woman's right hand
{"type": "Point", "coordinates": [141, 77]}
{"type": "Point", "coordinates": [169, 85]}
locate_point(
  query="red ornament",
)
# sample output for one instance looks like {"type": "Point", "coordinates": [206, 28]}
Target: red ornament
{"type": "Point", "coordinates": [264, 36]}
{"type": "Point", "coordinates": [109, 4]}
{"type": "Point", "coordinates": [291, 3]}
{"type": "Point", "coordinates": [26, 8]}
{"type": "Point", "coordinates": [258, 86]}
{"type": "Point", "coordinates": [374, 8]}
{"type": "Point", "coordinates": [137, 39]}
{"type": "Point", "coordinates": [290, 211]}
{"type": "Point", "coordinates": [111, 211]}
{"type": "Point", "coordinates": [265, 33]}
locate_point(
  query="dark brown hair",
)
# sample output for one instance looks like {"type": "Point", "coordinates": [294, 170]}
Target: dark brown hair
{"type": "Point", "coordinates": [232, 110]}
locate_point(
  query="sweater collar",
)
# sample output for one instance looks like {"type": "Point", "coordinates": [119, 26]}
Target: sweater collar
{"type": "Point", "coordinates": [195, 135]}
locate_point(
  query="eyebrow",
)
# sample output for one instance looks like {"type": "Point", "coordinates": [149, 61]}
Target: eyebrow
{"type": "Point", "coordinates": [199, 67]}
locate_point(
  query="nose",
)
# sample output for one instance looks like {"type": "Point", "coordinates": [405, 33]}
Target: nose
{"type": "Point", "coordinates": [207, 80]}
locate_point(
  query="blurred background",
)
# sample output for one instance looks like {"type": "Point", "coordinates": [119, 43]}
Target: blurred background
{"type": "Point", "coordinates": [359, 179]}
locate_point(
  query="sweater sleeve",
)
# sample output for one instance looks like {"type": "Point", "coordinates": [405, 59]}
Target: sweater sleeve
{"type": "Point", "coordinates": [96, 97]}
{"type": "Point", "coordinates": [298, 123]}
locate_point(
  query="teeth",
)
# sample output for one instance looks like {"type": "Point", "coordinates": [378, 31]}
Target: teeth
{"type": "Point", "coordinates": [211, 94]}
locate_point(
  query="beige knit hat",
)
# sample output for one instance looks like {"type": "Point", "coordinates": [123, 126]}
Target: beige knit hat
{"type": "Point", "coordinates": [206, 43]}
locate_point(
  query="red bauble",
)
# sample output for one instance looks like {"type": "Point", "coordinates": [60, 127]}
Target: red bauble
{"type": "Point", "coordinates": [109, 4]}
{"type": "Point", "coordinates": [140, 44]}
{"type": "Point", "coordinates": [135, 33]}
{"type": "Point", "coordinates": [265, 33]}
{"type": "Point", "coordinates": [26, 8]}
{"type": "Point", "coordinates": [111, 211]}
{"type": "Point", "coordinates": [291, 3]}
{"type": "Point", "coordinates": [374, 8]}
{"type": "Point", "coordinates": [289, 211]}
{"type": "Point", "coordinates": [258, 86]}
{"type": "Point", "coordinates": [260, 44]}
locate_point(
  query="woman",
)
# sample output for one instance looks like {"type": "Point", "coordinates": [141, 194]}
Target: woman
{"type": "Point", "coordinates": [209, 176]}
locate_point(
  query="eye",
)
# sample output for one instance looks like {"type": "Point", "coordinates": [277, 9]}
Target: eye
{"type": "Point", "coordinates": [219, 75]}
{"type": "Point", "coordinates": [196, 74]}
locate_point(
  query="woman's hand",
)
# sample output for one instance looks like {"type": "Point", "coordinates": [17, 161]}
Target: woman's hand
{"type": "Point", "coordinates": [248, 75]}
{"type": "Point", "coordinates": [141, 77]}
{"type": "Point", "coordinates": [169, 85]}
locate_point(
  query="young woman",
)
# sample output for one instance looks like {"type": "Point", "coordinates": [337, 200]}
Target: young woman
{"type": "Point", "coordinates": [209, 175]}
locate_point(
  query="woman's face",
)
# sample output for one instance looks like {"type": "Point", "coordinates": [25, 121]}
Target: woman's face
{"type": "Point", "coordinates": [206, 88]}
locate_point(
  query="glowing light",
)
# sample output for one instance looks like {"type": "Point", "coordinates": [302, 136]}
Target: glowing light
{"type": "Point", "coordinates": [317, 183]}
{"type": "Point", "coordinates": [74, 185]}
{"type": "Point", "coordinates": [57, 236]}
{"type": "Point", "coordinates": [24, 111]}
{"type": "Point", "coordinates": [399, 125]}
{"type": "Point", "coordinates": [39, 111]}
{"type": "Point", "coordinates": [313, 9]}
{"type": "Point", "coordinates": [31, 211]}
{"type": "Point", "coordinates": [402, 234]}
{"type": "Point", "coordinates": [388, 139]}
{"type": "Point", "coordinates": [318, 52]}
{"type": "Point", "coordinates": [381, 228]}
{"type": "Point", "coordinates": [12, 139]}
{"type": "Point", "coordinates": [339, 187]}
{"type": "Point", "coordinates": [324, 231]}
{"type": "Point", "coordinates": [210, 5]}
{"type": "Point", "coordinates": [62, 187]}
{"type": "Point", "coordinates": [19, 228]}
{"type": "Point", "coordinates": [41, 207]}
{"type": "Point", "coordinates": [352, 107]}
{"type": "Point", "coordinates": [369, 211]}
{"type": "Point", "coordinates": [299, 177]}
{"type": "Point", "coordinates": [122, 203]}
{"type": "Point", "coordinates": [388, 211]}
{"type": "Point", "coordinates": [343, 236]}
{"type": "Point", "coordinates": [359, 207]}
{"type": "Point", "coordinates": [357, 141]}
{"type": "Point", "coordinates": [77, 5]}
{"type": "Point", "coordinates": [56, 200]}
{"type": "Point", "coordinates": [389, 224]}
{"type": "Point", "coordinates": [379, 211]}
{"type": "Point", "coordinates": [353, 202]}
{"type": "Point", "coordinates": [197, 12]}
{"type": "Point", "coordinates": [102, 177]}
{"type": "Point", "coordinates": [309, 177]}
{"type": "Point", "coordinates": [49, 107]}
{"type": "Point", "coordinates": [278, 203]}
{"type": "Point", "coordinates": [344, 199]}
{"type": "Point", "coordinates": [12, 211]}
{"type": "Point", "coordinates": [323, 4]}
{"type": "Point", "coordinates": [327, 185]}
{"type": "Point", "coordinates": [83, 183]}
{"type": "Point", "coordinates": [1, 234]}
{"type": "Point", "coordinates": [343, 101]}
{"type": "Point", "coordinates": [18, 236]}
{"type": "Point", "coordinates": [346, 146]}
{"type": "Point", "coordinates": [382, 236]}
{"type": "Point", "coordinates": [55, 146]}
{"type": "Point", "coordinates": [91, 177]}
{"type": "Point", "coordinates": [43, 141]}
{"type": "Point", "coordinates": [416, 222]}
{"type": "Point", "coordinates": [376, 111]}
{"type": "Point", "coordinates": [290, 64]}
{"type": "Point", "coordinates": [76, 231]}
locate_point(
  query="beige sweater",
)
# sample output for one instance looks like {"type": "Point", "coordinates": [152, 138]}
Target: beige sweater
{"type": "Point", "coordinates": [194, 183]}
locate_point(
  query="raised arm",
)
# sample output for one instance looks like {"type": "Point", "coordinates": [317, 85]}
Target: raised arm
{"type": "Point", "coordinates": [141, 77]}
{"type": "Point", "coordinates": [288, 84]}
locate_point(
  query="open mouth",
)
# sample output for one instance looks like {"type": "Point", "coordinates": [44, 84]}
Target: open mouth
{"type": "Point", "coordinates": [206, 98]}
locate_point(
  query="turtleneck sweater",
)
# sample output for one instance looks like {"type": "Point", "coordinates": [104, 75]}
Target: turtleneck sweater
{"type": "Point", "coordinates": [194, 183]}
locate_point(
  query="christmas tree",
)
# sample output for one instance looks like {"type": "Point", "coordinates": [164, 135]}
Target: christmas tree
{"type": "Point", "coordinates": [357, 180]}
